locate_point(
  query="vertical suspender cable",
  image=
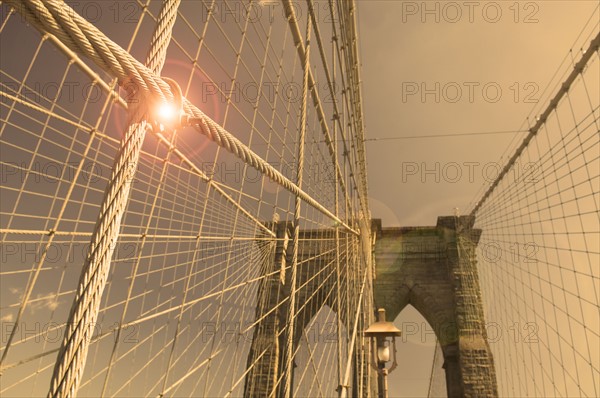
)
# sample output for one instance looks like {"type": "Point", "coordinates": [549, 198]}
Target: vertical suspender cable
{"type": "Point", "coordinates": [292, 305]}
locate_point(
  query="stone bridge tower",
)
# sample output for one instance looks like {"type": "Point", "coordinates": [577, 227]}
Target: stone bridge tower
{"type": "Point", "coordinates": [431, 268]}
{"type": "Point", "coordinates": [434, 270]}
{"type": "Point", "coordinates": [266, 359]}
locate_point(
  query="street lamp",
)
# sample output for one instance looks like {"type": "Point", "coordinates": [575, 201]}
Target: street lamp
{"type": "Point", "coordinates": [383, 336]}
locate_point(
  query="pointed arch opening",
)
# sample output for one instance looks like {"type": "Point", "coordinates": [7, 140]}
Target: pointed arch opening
{"type": "Point", "coordinates": [315, 360]}
{"type": "Point", "coordinates": [420, 359]}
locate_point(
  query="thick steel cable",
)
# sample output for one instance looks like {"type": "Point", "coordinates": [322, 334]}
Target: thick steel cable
{"type": "Point", "coordinates": [291, 321]}
{"type": "Point", "coordinates": [80, 326]}
{"type": "Point", "coordinates": [87, 381]}
{"type": "Point", "coordinates": [338, 285]}
{"type": "Point", "coordinates": [218, 134]}
{"type": "Point", "coordinates": [56, 17]}
{"type": "Point", "coordinates": [564, 88]}
{"type": "Point", "coordinates": [143, 238]}
{"type": "Point", "coordinates": [51, 16]}
{"type": "Point", "coordinates": [110, 92]}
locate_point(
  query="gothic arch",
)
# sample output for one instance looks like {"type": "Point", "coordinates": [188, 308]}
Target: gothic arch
{"type": "Point", "coordinates": [424, 267]}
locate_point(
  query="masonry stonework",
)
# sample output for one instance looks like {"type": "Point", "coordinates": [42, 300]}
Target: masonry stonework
{"type": "Point", "coordinates": [434, 270]}
{"type": "Point", "coordinates": [431, 268]}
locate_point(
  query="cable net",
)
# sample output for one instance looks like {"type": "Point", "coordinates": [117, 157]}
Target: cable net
{"type": "Point", "coordinates": [540, 248]}
{"type": "Point", "coordinates": [182, 303]}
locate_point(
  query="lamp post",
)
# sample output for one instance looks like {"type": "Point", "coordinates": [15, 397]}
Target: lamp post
{"type": "Point", "coordinates": [383, 335]}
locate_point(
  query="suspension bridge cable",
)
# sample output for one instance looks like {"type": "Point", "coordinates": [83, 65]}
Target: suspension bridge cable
{"type": "Point", "coordinates": [84, 313]}
{"type": "Point", "coordinates": [592, 49]}
{"type": "Point", "coordinates": [192, 245]}
{"type": "Point", "coordinates": [128, 70]}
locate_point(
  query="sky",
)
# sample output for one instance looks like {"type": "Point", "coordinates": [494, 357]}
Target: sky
{"type": "Point", "coordinates": [433, 68]}
{"type": "Point", "coordinates": [488, 64]}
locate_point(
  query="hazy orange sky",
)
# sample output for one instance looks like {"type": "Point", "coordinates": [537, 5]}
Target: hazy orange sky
{"type": "Point", "coordinates": [403, 46]}
{"type": "Point", "coordinates": [410, 46]}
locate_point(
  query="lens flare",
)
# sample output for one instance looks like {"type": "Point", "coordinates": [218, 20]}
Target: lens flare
{"type": "Point", "coordinates": [166, 112]}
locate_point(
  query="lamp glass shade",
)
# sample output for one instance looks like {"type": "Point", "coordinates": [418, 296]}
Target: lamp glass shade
{"type": "Point", "coordinates": [383, 353]}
